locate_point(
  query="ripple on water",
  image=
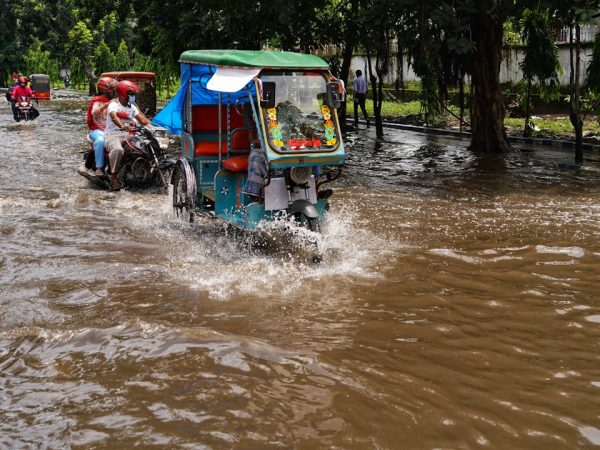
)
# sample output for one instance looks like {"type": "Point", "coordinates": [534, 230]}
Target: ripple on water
{"type": "Point", "coordinates": [138, 402]}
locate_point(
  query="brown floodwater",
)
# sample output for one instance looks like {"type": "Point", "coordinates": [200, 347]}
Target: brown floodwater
{"type": "Point", "coordinates": [457, 306]}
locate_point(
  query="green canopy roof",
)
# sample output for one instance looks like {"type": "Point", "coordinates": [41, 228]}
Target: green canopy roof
{"type": "Point", "coordinates": [253, 58]}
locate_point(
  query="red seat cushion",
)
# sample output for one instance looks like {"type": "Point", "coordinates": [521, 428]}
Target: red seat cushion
{"type": "Point", "coordinates": [236, 164]}
{"type": "Point", "coordinates": [206, 118]}
{"type": "Point", "coordinates": [209, 148]}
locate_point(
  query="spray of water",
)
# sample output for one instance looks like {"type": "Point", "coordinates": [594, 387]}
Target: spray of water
{"type": "Point", "coordinates": [209, 256]}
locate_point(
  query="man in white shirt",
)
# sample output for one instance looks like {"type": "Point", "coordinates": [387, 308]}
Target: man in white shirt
{"type": "Point", "coordinates": [360, 95]}
{"type": "Point", "coordinates": [123, 117]}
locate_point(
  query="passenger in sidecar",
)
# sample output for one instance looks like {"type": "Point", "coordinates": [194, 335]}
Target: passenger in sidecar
{"type": "Point", "coordinates": [96, 119]}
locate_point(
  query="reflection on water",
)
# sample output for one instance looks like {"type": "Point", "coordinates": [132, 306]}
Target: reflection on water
{"type": "Point", "coordinates": [456, 307]}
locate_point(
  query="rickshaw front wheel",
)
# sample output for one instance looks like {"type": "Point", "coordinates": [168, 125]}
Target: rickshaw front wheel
{"type": "Point", "coordinates": [182, 205]}
{"type": "Point", "coordinates": [313, 224]}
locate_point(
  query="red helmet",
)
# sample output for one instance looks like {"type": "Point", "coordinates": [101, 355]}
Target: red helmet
{"type": "Point", "coordinates": [126, 88]}
{"type": "Point", "coordinates": [23, 79]}
{"type": "Point", "coordinates": [107, 85]}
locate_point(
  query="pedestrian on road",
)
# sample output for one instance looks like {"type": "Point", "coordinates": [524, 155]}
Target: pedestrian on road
{"type": "Point", "coordinates": [360, 96]}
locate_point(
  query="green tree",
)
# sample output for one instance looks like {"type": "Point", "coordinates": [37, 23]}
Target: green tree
{"type": "Point", "coordinates": [541, 57]}
{"type": "Point", "coordinates": [122, 61]}
{"type": "Point", "coordinates": [41, 61]}
{"type": "Point", "coordinates": [573, 15]}
{"type": "Point", "coordinates": [81, 44]}
{"type": "Point", "coordinates": [377, 18]}
{"type": "Point", "coordinates": [73, 28]}
{"type": "Point", "coordinates": [104, 59]}
{"type": "Point", "coordinates": [14, 38]}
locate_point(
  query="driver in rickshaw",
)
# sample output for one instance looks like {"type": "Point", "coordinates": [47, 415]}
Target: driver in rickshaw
{"type": "Point", "coordinates": [290, 112]}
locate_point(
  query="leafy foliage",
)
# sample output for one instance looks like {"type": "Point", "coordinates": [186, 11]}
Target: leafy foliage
{"type": "Point", "coordinates": [445, 41]}
{"type": "Point", "coordinates": [541, 52]}
{"type": "Point", "coordinates": [40, 61]}
{"type": "Point", "coordinates": [104, 59]}
{"type": "Point", "coordinates": [122, 61]}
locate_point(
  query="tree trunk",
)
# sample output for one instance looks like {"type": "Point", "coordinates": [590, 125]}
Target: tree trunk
{"type": "Point", "coordinates": [381, 68]}
{"type": "Point", "coordinates": [377, 102]}
{"type": "Point", "coordinates": [350, 38]}
{"type": "Point", "coordinates": [461, 97]}
{"type": "Point", "coordinates": [89, 74]}
{"type": "Point", "coordinates": [376, 91]}
{"type": "Point", "coordinates": [575, 103]}
{"type": "Point", "coordinates": [527, 129]}
{"type": "Point", "coordinates": [3, 76]}
{"type": "Point", "coordinates": [344, 75]}
{"type": "Point", "coordinates": [487, 119]}
{"type": "Point", "coordinates": [371, 75]}
{"type": "Point", "coordinates": [399, 69]}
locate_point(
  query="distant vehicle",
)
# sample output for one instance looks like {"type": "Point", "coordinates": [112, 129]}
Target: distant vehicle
{"type": "Point", "coordinates": [146, 99]}
{"type": "Point", "coordinates": [40, 85]}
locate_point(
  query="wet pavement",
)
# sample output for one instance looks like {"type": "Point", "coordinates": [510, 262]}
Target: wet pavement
{"type": "Point", "coordinates": [457, 306]}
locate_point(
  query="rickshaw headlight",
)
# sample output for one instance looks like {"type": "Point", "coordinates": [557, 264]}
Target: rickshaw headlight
{"type": "Point", "coordinates": [300, 175]}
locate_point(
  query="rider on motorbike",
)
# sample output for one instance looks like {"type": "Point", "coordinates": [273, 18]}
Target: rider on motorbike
{"type": "Point", "coordinates": [96, 118]}
{"type": "Point", "coordinates": [21, 90]}
{"type": "Point", "coordinates": [123, 116]}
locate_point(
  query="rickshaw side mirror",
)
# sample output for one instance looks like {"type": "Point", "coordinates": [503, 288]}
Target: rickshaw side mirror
{"type": "Point", "coordinates": [333, 96]}
{"type": "Point", "coordinates": [268, 94]}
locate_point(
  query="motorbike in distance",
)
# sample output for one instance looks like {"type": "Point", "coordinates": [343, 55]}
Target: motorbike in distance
{"type": "Point", "coordinates": [23, 108]}
{"type": "Point", "coordinates": [144, 163]}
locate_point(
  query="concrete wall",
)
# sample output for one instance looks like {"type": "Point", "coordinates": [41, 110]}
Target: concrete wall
{"type": "Point", "coordinates": [509, 70]}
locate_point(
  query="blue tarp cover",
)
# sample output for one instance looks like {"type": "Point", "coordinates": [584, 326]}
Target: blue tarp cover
{"type": "Point", "coordinates": [171, 116]}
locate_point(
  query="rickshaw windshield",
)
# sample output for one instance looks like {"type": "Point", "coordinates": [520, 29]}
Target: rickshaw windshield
{"type": "Point", "coordinates": [300, 120]}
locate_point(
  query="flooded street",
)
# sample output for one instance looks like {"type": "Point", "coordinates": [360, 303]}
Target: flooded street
{"type": "Point", "coordinates": [457, 306]}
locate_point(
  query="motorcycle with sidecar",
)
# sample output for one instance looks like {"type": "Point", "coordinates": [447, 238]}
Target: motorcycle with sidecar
{"type": "Point", "coordinates": [144, 164]}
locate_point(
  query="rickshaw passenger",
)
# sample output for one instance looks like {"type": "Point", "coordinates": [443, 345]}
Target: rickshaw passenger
{"type": "Point", "coordinates": [96, 119]}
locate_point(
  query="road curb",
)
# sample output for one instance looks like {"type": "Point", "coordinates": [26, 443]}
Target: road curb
{"type": "Point", "coordinates": [557, 143]}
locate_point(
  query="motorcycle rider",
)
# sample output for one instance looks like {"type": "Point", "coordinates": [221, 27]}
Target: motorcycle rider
{"type": "Point", "coordinates": [122, 117]}
{"type": "Point", "coordinates": [96, 118]}
{"type": "Point", "coordinates": [21, 90]}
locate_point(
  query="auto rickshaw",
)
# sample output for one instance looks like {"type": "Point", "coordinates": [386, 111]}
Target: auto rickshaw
{"type": "Point", "coordinates": [40, 85]}
{"type": "Point", "coordinates": [259, 135]}
{"type": "Point", "coordinates": [146, 99]}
